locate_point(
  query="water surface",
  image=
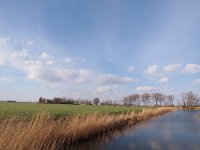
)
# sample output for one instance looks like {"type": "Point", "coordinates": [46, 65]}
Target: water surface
{"type": "Point", "coordinates": [178, 130]}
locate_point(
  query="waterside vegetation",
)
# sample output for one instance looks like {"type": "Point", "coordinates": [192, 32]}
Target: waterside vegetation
{"type": "Point", "coordinates": [43, 132]}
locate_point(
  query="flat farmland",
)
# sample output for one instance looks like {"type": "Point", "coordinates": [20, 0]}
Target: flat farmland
{"type": "Point", "coordinates": [8, 110]}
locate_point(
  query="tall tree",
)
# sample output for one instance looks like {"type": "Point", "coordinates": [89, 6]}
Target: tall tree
{"type": "Point", "coordinates": [158, 97]}
{"type": "Point", "coordinates": [126, 101]}
{"type": "Point", "coordinates": [96, 101]}
{"type": "Point", "coordinates": [135, 99]}
{"type": "Point", "coordinates": [170, 98]}
{"type": "Point", "coordinates": [189, 99]}
{"type": "Point", "coordinates": [145, 98]}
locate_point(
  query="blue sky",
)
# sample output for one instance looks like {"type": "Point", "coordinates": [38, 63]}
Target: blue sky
{"type": "Point", "coordinates": [106, 48]}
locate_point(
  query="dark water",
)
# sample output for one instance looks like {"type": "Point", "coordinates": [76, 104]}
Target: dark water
{"type": "Point", "coordinates": [178, 130]}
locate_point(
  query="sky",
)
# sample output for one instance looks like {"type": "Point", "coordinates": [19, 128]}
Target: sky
{"type": "Point", "coordinates": [98, 48]}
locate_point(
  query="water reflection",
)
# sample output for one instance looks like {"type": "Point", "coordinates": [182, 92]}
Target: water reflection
{"type": "Point", "coordinates": [102, 140]}
{"type": "Point", "coordinates": [179, 130]}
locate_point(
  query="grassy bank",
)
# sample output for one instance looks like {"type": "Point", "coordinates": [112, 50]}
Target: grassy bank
{"type": "Point", "coordinates": [192, 108]}
{"type": "Point", "coordinates": [45, 133]}
{"type": "Point", "coordinates": [30, 109]}
{"type": "Point", "coordinates": [197, 108]}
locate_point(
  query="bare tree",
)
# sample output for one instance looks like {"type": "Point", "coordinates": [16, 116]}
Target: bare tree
{"type": "Point", "coordinates": [126, 101]}
{"type": "Point", "coordinates": [158, 97]}
{"type": "Point", "coordinates": [163, 99]}
{"type": "Point", "coordinates": [155, 97]}
{"type": "Point", "coordinates": [132, 99]}
{"type": "Point", "coordinates": [108, 102]}
{"type": "Point", "coordinates": [137, 99]}
{"type": "Point", "coordinates": [170, 99]}
{"type": "Point", "coordinates": [145, 98]}
{"type": "Point", "coordinates": [189, 99]}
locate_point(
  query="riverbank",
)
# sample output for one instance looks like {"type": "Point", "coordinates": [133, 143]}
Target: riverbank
{"type": "Point", "coordinates": [44, 133]}
{"type": "Point", "coordinates": [190, 108]}
{"type": "Point", "coordinates": [178, 130]}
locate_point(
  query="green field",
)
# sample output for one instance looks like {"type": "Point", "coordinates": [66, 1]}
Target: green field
{"type": "Point", "coordinates": [30, 109]}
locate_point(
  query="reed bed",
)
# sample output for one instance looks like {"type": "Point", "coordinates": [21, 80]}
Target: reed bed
{"type": "Point", "coordinates": [45, 133]}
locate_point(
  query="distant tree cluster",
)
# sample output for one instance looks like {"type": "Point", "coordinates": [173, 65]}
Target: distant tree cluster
{"type": "Point", "coordinates": [157, 99]}
{"type": "Point", "coordinates": [58, 100]}
{"type": "Point", "coordinates": [42, 100]}
{"type": "Point", "coordinates": [64, 100]}
{"type": "Point", "coordinates": [96, 101]}
{"type": "Point", "coordinates": [85, 102]}
{"type": "Point", "coordinates": [110, 102]}
{"type": "Point", "coordinates": [190, 99]}
{"type": "Point", "coordinates": [107, 102]}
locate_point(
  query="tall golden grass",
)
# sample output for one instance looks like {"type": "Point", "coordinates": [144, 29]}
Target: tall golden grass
{"type": "Point", "coordinates": [45, 133]}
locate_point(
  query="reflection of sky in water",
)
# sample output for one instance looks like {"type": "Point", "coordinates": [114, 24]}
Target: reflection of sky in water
{"type": "Point", "coordinates": [179, 130]}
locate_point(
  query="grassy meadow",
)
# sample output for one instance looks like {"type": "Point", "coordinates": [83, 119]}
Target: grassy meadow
{"type": "Point", "coordinates": [27, 110]}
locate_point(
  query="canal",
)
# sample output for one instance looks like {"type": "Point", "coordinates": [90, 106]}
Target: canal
{"type": "Point", "coordinates": [179, 130]}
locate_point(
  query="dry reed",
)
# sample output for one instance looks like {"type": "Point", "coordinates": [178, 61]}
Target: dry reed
{"type": "Point", "coordinates": [44, 133]}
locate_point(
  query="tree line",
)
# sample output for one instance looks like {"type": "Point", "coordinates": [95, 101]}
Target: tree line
{"type": "Point", "coordinates": [188, 99]}
{"type": "Point", "coordinates": [64, 100]}
{"type": "Point", "coordinates": [145, 99]}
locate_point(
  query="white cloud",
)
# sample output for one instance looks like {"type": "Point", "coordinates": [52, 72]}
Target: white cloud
{"type": "Point", "coordinates": [172, 67]}
{"type": "Point", "coordinates": [36, 70]}
{"type": "Point", "coordinates": [73, 59]}
{"type": "Point", "coordinates": [107, 89]}
{"type": "Point", "coordinates": [152, 70]}
{"type": "Point", "coordinates": [191, 69]}
{"type": "Point", "coordinates": [114, 79]}
{"type": "Point", "coordinates": [2, 59]}
{"type": "Point", "coordinates": [16, 59]}
{"type": "Point", "coordinates": [5, 51]}
{"type": "Point", "coordinates": [49, 62]}
{"type": "Point", "coordinates": [30, 43]}
{"type": "Point", "coordinates": [5, 79]}
{"type": "Point", "coordinates": [144, 89]}
{"type": "Point", "coordinates": [67, 60]}
{"type": "Point", "coordinates": [45, 56]}
{"type": "Point", "coordinates": [4, 41]}
{"type": "Point", "coordinates": [84, 75]}
{"type": "Point", "coordinates": [163, 80]}
{"type": "Point", "coordinates": [131, 68]}
{"type": "Point", "coordinates": [22, 53]}
{"type": "Point", "coordinates": [197, 82]}
{"type": "Point", "coordinates": [25, 43]}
